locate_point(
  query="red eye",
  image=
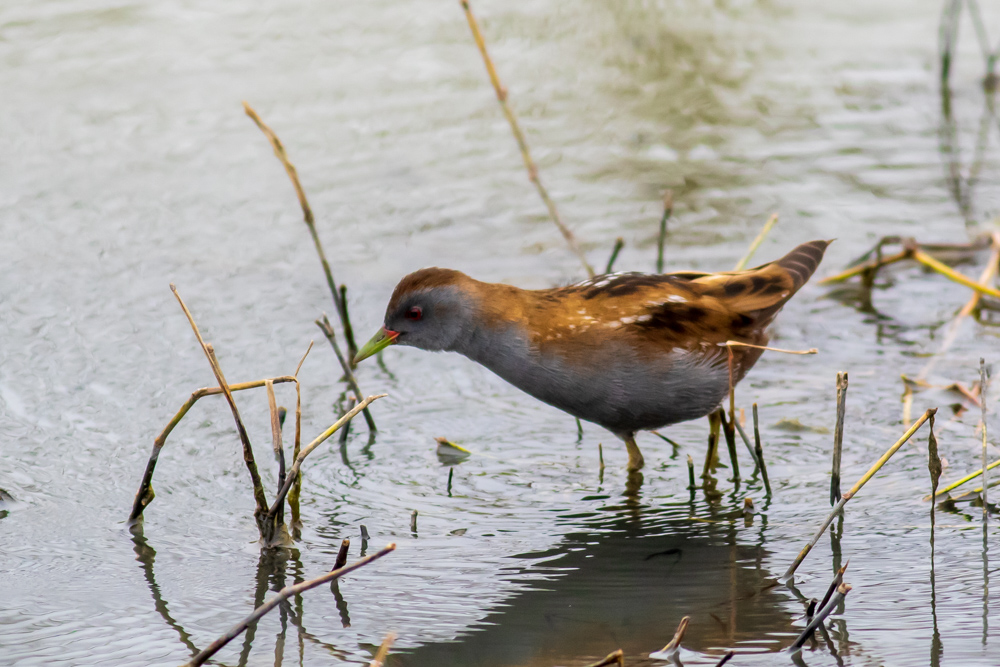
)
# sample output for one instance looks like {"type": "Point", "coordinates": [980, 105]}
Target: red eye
{"type": "Point", "coordinates": [414, 313]}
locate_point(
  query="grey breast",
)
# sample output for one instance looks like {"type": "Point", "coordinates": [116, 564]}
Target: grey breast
{"type": "Point", "coordinates": [614, 388]}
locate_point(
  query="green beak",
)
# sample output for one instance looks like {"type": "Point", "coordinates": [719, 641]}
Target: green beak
{"type": "Point", "coordinates": [383, 339]}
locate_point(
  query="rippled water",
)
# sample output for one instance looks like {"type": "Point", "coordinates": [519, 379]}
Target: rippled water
{"type": "Point", "coordinates": [129, 165]}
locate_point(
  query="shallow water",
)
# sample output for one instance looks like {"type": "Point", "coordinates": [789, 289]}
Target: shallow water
{"type": "Point", "coordinates": [130, 165]}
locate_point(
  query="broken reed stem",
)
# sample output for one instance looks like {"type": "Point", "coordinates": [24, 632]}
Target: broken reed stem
{"type": "Point", "coordinates": [345, 547]}
{"type": "Point", "coordinates": [619, 244]}
{"type": "Point", "coordinates": [383, 650]}
{"type": "Point", "coordinates": [258, 488]}
{"type": "Point", "coordinates": [279, 450]}
{"type": "Point", "coordinates": [675, 643]}
{"type": "Point", "coordinates": [145, 494]}
{"type": "Point", "coordinates": [854, 489]}
{"type": "Point", "coordinates": [283, 594]}
{"type": "Point", "coordinates": [726, 658]}
{"type": "Point", "coordinates": [838, 579]}
{"type": "Point", "coordinates": [826, 610]}
{"type": "Point", "coordinates": [742, 264]}
{"type": "Point", "coordinates": [691, 485]}
{"type": "Point", "coordinates": [967, 478]}
{"type": "Point", "coordinates": [293, 474]}
{"type": "Point", "coordinates": [760, 452]}
{"type": "Point", "coordinates": [522, 143]}
{"type": "Point", "coordinates": [616, 658]}
{"type": "Point", "coordinates": [838, 437]}
{"type": "Point", "coordinates": [310, 220]}
{"type": "Point", "coordinates": [668, 209]}
{"type": "Point", "coordinates": [331, 336]}
{"type": "Point", "coordinates": [982, 403]}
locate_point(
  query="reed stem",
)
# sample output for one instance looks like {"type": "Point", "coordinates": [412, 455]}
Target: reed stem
{"type": "Point", "coordinates": [668, 209]}
{"type": "Point", "coordinates": [760, 452]}
{"type": "Point", "coordinates": [284, 594]}
{"type": "Point", "coordinates": [854, 489]}
{"type": "Point", "coordinates": [838, 437]}
{"type": "Point", "coordinates": [740, 265]}
{"type": "Point", "coordinates": [522, 143]}
{"type": "Point", "coordinates": [352, 381]}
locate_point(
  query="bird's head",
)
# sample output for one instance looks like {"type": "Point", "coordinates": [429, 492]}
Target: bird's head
{"type": "Point", "coordinates": [431, 309]}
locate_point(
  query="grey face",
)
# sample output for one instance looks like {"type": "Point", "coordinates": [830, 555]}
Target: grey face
{"type": "Point", "coordinates": [433, 319]}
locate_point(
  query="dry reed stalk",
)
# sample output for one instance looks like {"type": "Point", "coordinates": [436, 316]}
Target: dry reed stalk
{"type": "Point", "coordinates": [867, 267]}
{"type": "Point", "coordinates": [260, 499]}
{"type": "Point", "coordinates": [967, 478]}
{"type": "Point", "coordinates": [729, 426]}
{"type": "Point", "coordinates": [383, 650]}
{"type": "Point", "coordinates": [616, 658]}
{"type": "Point", "coordinates": [760, 452]}
{"type": "Point", "coordinates": [982, 394]}
{"type": "Point", "coordinates": [310, 220]}
{"type": "Point", "coordinates": [522, 143]}
{"type": "Point", "coordinates": [691, 485]}
{"type": "Point", "coordinates": [826, 610]}
{"type": "Point", "coordinates": [293, 494]}
{"type": "Point", "coordinates": [953, 275]}
{"type": "Point", "coordinates": [145, 494]}
{"type": "Point", "coordinates": [619, 244]}
{"type": "Point", "coordinates": [283, 594]}
{"type": "Point", "coordinates": [668, 209]}
{"type": "Point", "coordinates": [674, 644]}
{"type": "Point", "coordinates": [838, 437]}
{"type": "Point", "coordinates": [740, 265]}
{"type": "Point", "coordinates": [293, 473]}
{"type": "Point", "coordinates": [346, 431]}
{"type": "Point", "coordinates": [331, 336]}
{"type": "Point", "coordinates": [854, 490]}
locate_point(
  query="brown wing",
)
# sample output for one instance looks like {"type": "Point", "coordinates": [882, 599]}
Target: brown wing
{"type": "Point", "coordinates": [692, 311]}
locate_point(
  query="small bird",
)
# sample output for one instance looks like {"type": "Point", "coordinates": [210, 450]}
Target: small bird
{"type": "Point", "coordinates": [627, 351]}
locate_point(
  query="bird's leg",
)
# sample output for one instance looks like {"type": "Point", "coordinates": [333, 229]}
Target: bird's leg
{"type": "Point", "coordinates": [635, 461]}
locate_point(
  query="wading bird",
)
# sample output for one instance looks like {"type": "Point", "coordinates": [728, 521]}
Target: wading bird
{"type": "Point", "coordinates": [627, 351]}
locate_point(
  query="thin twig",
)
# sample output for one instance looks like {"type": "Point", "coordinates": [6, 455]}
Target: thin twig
{"type": "Point", "coordinates": [726, 658]}
{"type": "Point", "coordinates": [327, 330]}
{"type": "Point", "coordinates": [740, 265]}
{"type": "Point", "coordinates": [283, 594]}
{"type": "Point", "coordinates": [952, 274]}
{"type": "Point", "coordinates": [736, 343]}
{"type": "Point", "coordinates": [522, 143]}
{"type": "Point", "coordinates": [854, 489]}
{"type": "Point", "coordinates": [310, 220]}
{"type": "Point", "coordinates": [729, 426]}
{"type": "Point", "coordinates": [838, 437]}
{"type": "Point", "coordinates": [668, 209]}
{"type": "Point", "coordinates": [760, 452]}
{"type": "Point", "coordinates": [258, 488]}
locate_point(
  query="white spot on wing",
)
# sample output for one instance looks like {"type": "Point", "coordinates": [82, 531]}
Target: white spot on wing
{"type": "Point", "coordinates": [676, 298]}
